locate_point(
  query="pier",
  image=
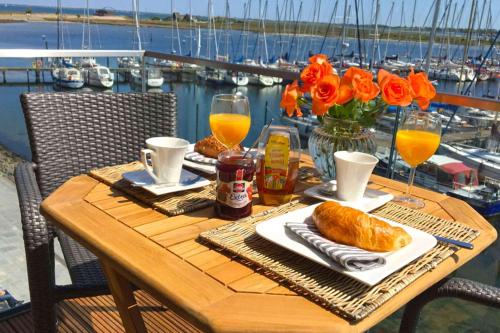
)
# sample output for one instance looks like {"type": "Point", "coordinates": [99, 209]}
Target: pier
{"type": "Point", "coordinates": [43, 74]}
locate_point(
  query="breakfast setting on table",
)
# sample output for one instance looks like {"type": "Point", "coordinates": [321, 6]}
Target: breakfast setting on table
{"type": "Point", "coordinates": [342, 243]}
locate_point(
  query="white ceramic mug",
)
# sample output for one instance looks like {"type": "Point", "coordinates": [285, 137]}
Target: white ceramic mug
{"type": "Point", "coordinates": [353, 171]}
{"type": "Point", "coordinates": [166, 157]}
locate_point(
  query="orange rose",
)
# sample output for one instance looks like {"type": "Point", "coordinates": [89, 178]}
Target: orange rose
{"type": "Point", "coordinates": [357, 83]}
{"type": "Point", "coordinates": [310, 76]}
{"type": "Point", "coordinates": [289, 99]}
{"type": "Point", "coordinates": [346, 93]}
{"type": "Point", "coordinates": [325, 94]}
{"type": "Point", "coordinates": [318, 59]}
{"type": "Point", "coordinates": [422, 89]}
{"type": "Point", "coordinates": [364, 88]}
{"type": "Point", "coordinates": [395, 90]}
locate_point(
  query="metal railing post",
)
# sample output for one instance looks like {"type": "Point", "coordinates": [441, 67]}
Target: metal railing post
{"type": "Point", "coordinates": [390, 167]}
{"type": "Point", "coordinates": [143, 74]}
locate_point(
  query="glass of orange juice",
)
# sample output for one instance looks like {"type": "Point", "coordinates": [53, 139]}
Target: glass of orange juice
{"type": "Point", "coordinates": [417, 140]}
{"type": "Point", "coordinates": [230, 118]}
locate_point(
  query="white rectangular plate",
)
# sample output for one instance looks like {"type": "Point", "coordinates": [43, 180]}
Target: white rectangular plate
{"type": "Point", "coordinates": [188, 181]}
{"type": "Point", "coordinates": [206, 168]}
{"type": "Point", "coordinates": [203, 167]}
{"type": "Point", "coordinates": [275, 231]}
{"type": "Point", "coordinates": [372, 199]}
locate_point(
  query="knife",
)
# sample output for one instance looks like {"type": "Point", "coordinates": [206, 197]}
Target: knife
{"type": "Point", "coordinates": [458, 243]}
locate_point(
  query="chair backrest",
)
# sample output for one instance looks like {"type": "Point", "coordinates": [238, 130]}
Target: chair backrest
{"type": "Point", "coordinates": [71, 133]}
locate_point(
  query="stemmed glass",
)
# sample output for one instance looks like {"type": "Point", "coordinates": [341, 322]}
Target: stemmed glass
{"type": "Point", "coordinates": [230, 118]}
{"type": "Point", "coordinates": [417, 140]}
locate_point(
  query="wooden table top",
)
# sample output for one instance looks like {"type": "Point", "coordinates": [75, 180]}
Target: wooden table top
{"type": "Point", "coordinates": [160, 254]}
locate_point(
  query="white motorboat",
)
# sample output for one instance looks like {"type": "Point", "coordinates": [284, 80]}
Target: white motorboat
{"type": "Point", "coordinates": [260, 80]}
{"type": "Point", "coordinates": [68, 77]}
{"type": "Point", "coordinates": [487, 163]}
{"type": "Point", "coordinates": [154, 77]}
{"type": "Point", "coordinates": [236, 79]}
{"type": "Point", "coordinates": [257, 79]}
{"type": "Point", "coordinates": [98, 76]}
{"type": "Point", "coordinates": [215, 75]}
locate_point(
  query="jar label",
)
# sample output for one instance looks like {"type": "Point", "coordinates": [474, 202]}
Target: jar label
{"type": "Point", "coordinates": [276, 161]}
{"type": "Point", "coordinates": [235, 194]}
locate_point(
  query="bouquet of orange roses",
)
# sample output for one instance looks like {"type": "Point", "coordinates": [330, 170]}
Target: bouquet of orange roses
{"type": "Point", "coordinates": [355, 96]}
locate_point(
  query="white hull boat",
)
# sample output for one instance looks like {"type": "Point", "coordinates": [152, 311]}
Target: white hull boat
{"type": "Point", "coordinates": [98, 76]}
{"type": "Point", "coordinates": [487, 163]}
{"type": "Point", "coordinates": [68, 78]}
{"type": "Point", "coordinates": [236, 79]}
{"type": "Point", "coordinates": [154, 77]}
{"type": "Point", "coordinates": [260, 80]}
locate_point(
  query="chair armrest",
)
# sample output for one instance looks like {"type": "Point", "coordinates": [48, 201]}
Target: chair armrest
{"type": "Point", "coordinates": [470, 291]}
{"type": "Point", "coordinates": [36, 231]}
{"type": "Point", "coordinates": [38, 244]}
{"type": "Point", "coordinates": [450, 287]}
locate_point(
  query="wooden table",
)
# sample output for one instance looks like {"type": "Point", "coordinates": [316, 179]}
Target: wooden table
{"type": "Point", "coordinates": [160, 255]}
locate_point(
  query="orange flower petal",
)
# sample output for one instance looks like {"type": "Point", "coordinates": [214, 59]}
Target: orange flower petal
{"type": "Point", "coordinates": [382, 74]}
{"type": "Point", "coordinates": [346, 94]}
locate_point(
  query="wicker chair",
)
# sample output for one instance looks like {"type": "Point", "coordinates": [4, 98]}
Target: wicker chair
{"type": "Point", "coordinates": [71, 133]}
{"type": "Point", "coordinates": [449, 287]}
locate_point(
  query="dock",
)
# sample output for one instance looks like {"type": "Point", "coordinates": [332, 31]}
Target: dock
{"type": "Point", "coordinates": [39, 75]}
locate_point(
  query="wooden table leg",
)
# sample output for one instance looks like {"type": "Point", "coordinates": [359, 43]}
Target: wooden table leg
{"type": "Point", "coordinates": [125, 301]}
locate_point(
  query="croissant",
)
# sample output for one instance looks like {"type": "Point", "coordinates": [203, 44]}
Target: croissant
{"type": "Point", "coordinates": [211, 147]}
{"type": "Point", "coordinates": [350, 226]}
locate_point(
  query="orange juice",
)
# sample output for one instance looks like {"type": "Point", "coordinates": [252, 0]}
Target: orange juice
{"type": "Point", "coordinates": [416, 146]}
{"type": "Point", "coordinates": [229, 128]}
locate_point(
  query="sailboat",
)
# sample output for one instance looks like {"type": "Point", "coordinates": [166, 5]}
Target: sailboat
{"type": "Point", "coordinates": [257, 79]}
{"type": "Point", "coordinates": [231, 77]}
{"type": "Point", "coordinates": [93, 74]}
{"type": "Point", "coordinates": [153, 75]}
{"type": "Point", "coordinates": [64, 74]}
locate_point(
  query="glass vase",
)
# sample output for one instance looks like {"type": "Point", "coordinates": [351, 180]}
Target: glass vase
{"type": "Point", "coordinates": [335, 135]}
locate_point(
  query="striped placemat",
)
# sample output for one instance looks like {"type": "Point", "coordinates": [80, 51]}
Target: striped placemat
{"type": "Point", "coordinates": [340, 294]}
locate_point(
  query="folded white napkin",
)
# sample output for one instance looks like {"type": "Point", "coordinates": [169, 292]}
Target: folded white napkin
{"type": "Point", "coordinates": [349, 257]}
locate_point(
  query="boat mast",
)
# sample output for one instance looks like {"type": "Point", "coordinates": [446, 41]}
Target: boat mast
{"type": "Point", "coordinates": [178, 35]}
{"type": "Point", "coordinates": [135, 5]}
{"type": "Point", "coordinates": [470, 28]}
{"type": "Point", "coordinates": [215, 31]}
{"type": "Point", "coordinates": [89, 45]}
{"type": "Point", "coordinates": [375, 35]}
{"type": "Point", "coordinates": [437, 4]}
{"type": "Point", "coordinates": [449, 30]}
{"type": "Point", "coordinates": [198, 47]}
{"type": "Point", "coordinates": [190, 30]}
{"type": "Point", "coordinates": [227, 28]}
{"type": "Point", "coordinates": [388, 23]}
{"type": "Point", "coordinates": [209, 35]}
{"type": "Point", "coordinates": [344, 22]}
{"type": "Point", "coordinates": [59, 24]}
{"type": "Point", "coordinates": [264, 16]}
{"type": "Point", "coordinates": [172, 26]}
{"type": "Point", "coordinates": [330, 22]}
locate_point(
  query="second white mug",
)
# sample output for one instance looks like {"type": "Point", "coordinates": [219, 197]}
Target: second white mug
{"type": "Point", "coordinates": [166, 157]}
{"type": "Point", "coordinates": [353, 172]}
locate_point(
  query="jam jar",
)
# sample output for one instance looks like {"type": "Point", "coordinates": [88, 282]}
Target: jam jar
{"type": "Point", "coordinates": [234, 185]}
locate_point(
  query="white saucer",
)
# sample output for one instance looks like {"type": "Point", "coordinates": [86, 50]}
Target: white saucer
{"type": "Point", "coordinates": [188, 181]}
{"type": "Point", "coordinates": [371, 200]}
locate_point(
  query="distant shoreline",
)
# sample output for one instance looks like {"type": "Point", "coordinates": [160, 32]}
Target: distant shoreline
{"type": "Point", "coordinates": [237, 25]}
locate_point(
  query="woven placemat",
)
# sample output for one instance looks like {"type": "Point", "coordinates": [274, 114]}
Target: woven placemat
{"type": "Point", "coordinates": [174, 203]}
{"type": "Point", "coordinates": [171, 204]}
{"type": "Point", "coordinates": [340, 294]}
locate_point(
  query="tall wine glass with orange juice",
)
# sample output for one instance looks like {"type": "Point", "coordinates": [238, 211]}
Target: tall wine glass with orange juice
{"type": "Point", "coordinates": [417, 140]}
{"type": "Point", "coordinates": [230, 119]}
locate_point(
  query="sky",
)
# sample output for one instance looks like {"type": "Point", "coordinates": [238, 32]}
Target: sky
{"type": "Point", "coordinates": [199, 7]}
